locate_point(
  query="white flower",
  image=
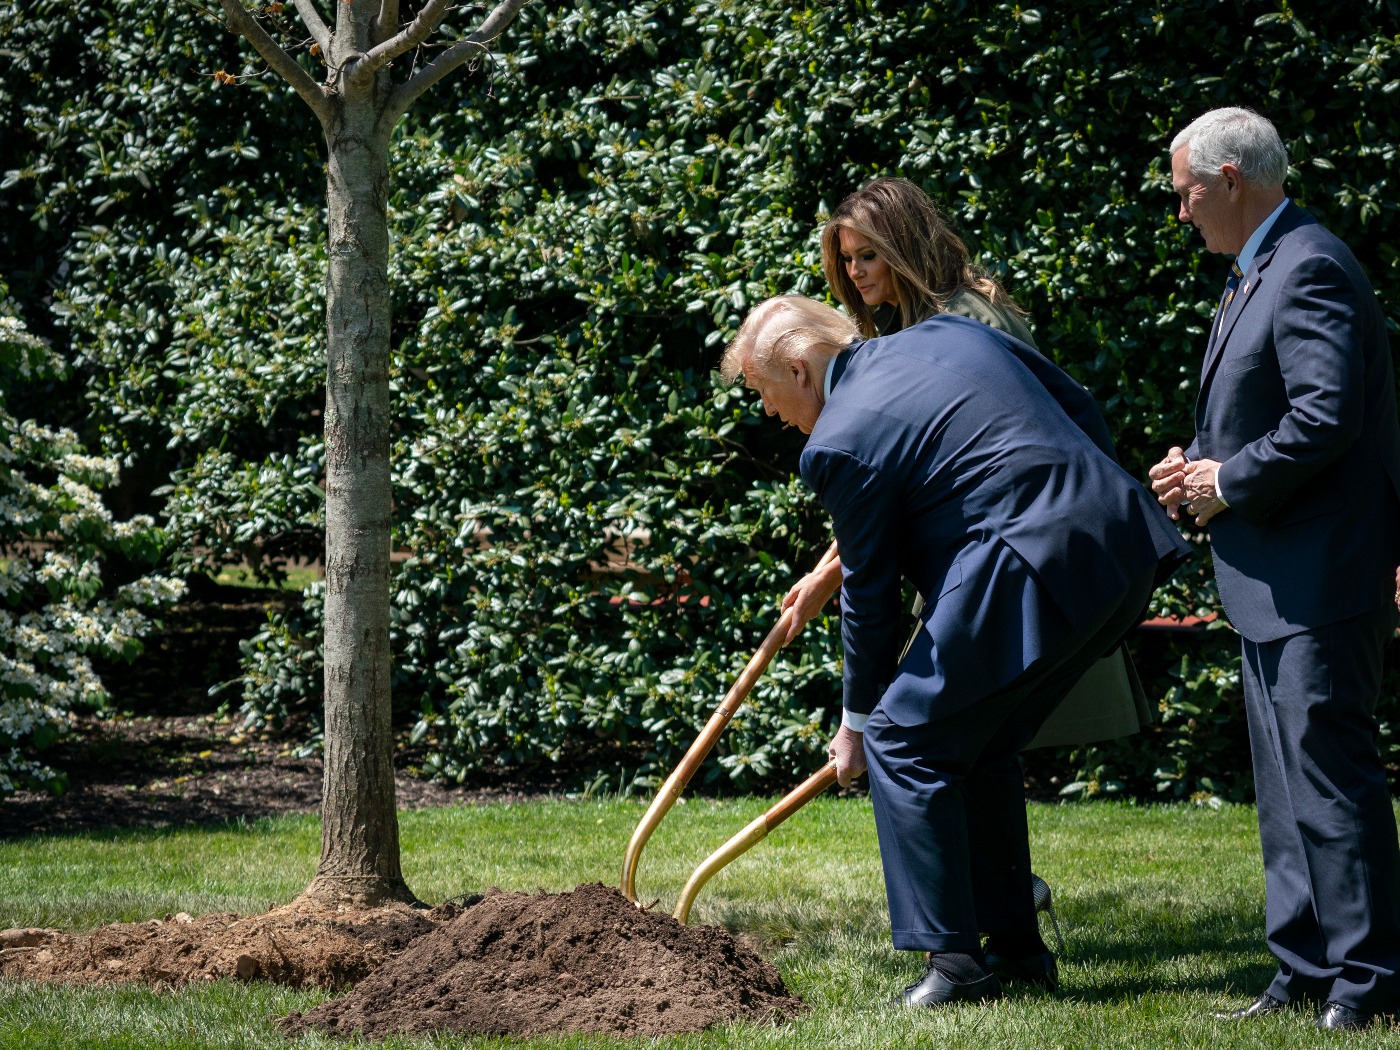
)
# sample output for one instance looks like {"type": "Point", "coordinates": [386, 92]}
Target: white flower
{"type": "Point", "coordinates": [152, 590]}
{"type": "Point", "coordinates": [15, 575]}
{"type": "Point", "coordinates": [20, 513]}
{"type": "Point", "coordinates": [123, 530]}
{"type": "Point", "coordinates": [26, 638]}
{"type": "Point", "coordinates": [90, 467]}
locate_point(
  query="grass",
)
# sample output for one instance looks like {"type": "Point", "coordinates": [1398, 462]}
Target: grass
{"type": "Point", "coordinates": [297, 579]}
{"type": "Point", "coordinates": [1162, 910]}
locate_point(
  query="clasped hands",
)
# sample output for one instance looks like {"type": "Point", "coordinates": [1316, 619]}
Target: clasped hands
{"type": "Point", "coordinates": [1178, 483]}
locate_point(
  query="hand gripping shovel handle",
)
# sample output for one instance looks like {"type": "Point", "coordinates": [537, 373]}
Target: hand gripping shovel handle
{"type": "Point", "coordinates": [753, 834]}
{"type": "Point", "coordinates": [705, 742]}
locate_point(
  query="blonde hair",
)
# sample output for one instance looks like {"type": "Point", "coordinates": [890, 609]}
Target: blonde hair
{"type": "Point", "coordinates": [928, 262]}
{"type": "Point", "coordinates": [782, 330]}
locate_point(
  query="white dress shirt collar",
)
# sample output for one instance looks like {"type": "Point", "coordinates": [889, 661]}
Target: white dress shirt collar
{"type": "Point", "coordinates": [1251, 246]}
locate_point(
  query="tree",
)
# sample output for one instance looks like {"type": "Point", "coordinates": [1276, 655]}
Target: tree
{"type": "Point", "coordinates": [358, 105]}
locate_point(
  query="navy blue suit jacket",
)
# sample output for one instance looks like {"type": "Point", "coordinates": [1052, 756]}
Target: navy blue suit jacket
{"type": "Point", "coordinates": [1297, 402]}
{"type": "Point", "coordinates": [962, 459]}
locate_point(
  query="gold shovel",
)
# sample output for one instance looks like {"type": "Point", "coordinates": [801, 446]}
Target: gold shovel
{"type": "Point", "coordinates": [685, 769]}
{"type": "Point", "coordinates": [753, 835]}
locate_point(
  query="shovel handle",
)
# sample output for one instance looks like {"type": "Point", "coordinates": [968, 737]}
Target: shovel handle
{"type": "Point", "coordinates": [705, 742]}
{"type": "Point", "coordinates": [753, 834]}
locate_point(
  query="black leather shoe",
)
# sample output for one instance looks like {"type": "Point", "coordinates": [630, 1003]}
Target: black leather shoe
{"type": "Point", "coordinates": [1040, 969]}
{"type": "Point", "coordinates": [1266, 1004]}
{"type": "Point", "coordinates": [933, 989]}
{"type": "Point", "coordinates": [1338, 1018]}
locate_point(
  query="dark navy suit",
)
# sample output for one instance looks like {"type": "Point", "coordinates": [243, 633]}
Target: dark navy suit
{"type": "Point", "coordinates": [959, 458]}
{"type": "Point", "coordinates": [1297, 403]}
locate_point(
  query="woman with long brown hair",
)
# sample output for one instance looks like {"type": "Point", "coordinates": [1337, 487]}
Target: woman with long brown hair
{"type": "Point", "coordinates": [892, 261]}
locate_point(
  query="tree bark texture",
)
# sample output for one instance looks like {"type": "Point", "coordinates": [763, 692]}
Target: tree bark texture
{"type": "Point", "coordinates": [359, 825]}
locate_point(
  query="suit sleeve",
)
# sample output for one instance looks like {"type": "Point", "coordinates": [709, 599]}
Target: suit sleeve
{"type": "Point", "coordinates": [1323, 373]}
{"type": "Point", "coordinates": [863, 508]}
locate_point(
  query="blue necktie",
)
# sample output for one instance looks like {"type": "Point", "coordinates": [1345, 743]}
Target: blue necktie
{"type": "Point", "coordinates": [1233, 283]}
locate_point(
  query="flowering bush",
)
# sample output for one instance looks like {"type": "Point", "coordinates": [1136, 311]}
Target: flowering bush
{"type": "Point", "coordinates": [56, 610]}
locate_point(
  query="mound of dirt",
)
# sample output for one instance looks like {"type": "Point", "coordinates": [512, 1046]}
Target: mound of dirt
{"type": "Point", "coordinates": [584, 961]}
{"type": "Point", "coordinates": [300, 944]}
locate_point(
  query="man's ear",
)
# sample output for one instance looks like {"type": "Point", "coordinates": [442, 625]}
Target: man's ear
{"type": "Point", "coordinates": [801, 373]}
{"type": "Point", "coordinates": [1234, 181]}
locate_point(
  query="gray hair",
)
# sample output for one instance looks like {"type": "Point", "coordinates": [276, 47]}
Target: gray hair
{"type": "Point", "coordinates": [785, 329]}
{"type": "Point", "coordinates": [1235, 136]}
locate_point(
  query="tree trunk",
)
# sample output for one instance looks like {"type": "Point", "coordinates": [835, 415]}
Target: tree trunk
{"type": "Point", "coordinates": [359, 823]}
{"type": "Point", "coordinates": [358, 105]}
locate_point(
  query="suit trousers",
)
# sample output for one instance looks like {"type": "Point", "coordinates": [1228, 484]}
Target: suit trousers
{"type": "Point", "coordinates": [1326, 826]}
{"type": "Point", "coordinates": [949, 798]}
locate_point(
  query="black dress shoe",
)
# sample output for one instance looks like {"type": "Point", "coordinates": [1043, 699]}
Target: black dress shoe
{"type": "Point", "coordinates": [933, 989]}
{"type": "Point", "coordinates": [1264, 1005]}
{"type": "Point", "coordinates": [1039, 969]}
{"type": "Point", "coordinates": [1338, 1018]}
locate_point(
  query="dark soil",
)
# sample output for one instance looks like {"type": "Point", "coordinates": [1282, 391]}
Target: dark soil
{"type": "Point", "coordinates": [303, 944]}
{"type": "Point", "coordinates": [506, 964]}
{"type": "Point", "coordinates": [585, 961]}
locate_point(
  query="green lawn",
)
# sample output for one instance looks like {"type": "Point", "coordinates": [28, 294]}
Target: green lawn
{"type": "Point", "coordinates": [1161, 907]}
{"type": "Point", "coordinates": [297, 579]}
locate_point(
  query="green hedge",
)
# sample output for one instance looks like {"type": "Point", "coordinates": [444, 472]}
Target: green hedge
{"type": "Point", "coordinates": [595, 533]}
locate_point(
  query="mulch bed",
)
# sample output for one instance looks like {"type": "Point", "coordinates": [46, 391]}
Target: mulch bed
{"type": "Point", "coordinates": [171, 759]}
{"type": "Point", "coordinates": [156, 772]}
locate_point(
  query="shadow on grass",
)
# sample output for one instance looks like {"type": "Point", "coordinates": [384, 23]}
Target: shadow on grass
{"type": "Point", "coordinates": [1133, 948]}
{"type": "Point", "coordinates": [118, 835]}
{"type": "Point", "coordinates": [1125, 948]}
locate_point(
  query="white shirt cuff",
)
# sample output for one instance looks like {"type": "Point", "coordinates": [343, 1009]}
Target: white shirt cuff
{"type": "Point", "coordinates": [852, 721]}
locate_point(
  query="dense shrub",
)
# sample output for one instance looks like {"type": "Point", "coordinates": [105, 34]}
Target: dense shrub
{"type": "Point", "coordinates": [594, 533]}
{"type": "Point", "coordinates": [135, 177]}
{"type": "Point", "coordinates": [56, 538]}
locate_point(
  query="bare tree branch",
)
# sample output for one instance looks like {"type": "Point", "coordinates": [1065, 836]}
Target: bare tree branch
{"type": "Point", "coordinates": [315, 24]}
{"type": "Point", "coordinates": [494, 24]}
{"type": "Point", "coordinates": [242, 21]}
{"type": "Point", "coordinates": [386, 24]}
{"type": "Point", "coordinates": [410, 37]}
